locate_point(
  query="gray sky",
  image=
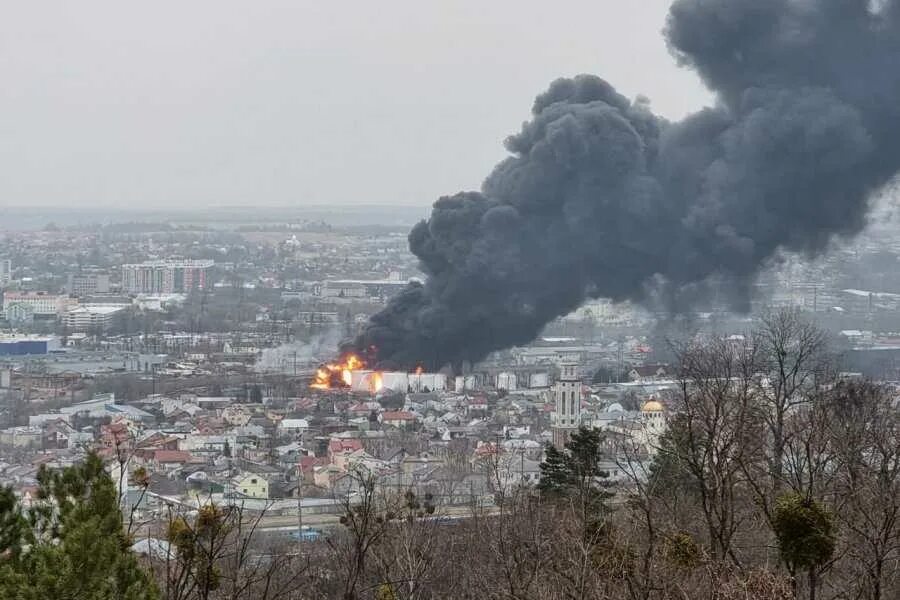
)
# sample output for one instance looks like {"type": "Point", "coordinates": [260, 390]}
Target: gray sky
{"type": "Point", "coordinates": [287, 102]}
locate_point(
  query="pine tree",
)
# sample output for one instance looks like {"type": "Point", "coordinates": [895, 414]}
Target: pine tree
{"type": "Point", "coordinates": [77, 545]}
{"type": "Point", "coordinates": [577, 468]}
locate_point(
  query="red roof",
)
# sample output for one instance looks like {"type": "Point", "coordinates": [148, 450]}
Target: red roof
{"type": "Point", "coordinates": [344, 445]}
{"type": "Point", "coordinates": [308, 462]}
{"type": "Point", "coordinates": [171, 456]}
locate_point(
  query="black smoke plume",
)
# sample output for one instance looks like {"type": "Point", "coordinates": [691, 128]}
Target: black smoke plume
{"type": "Point", "coordinates": [601, 198]}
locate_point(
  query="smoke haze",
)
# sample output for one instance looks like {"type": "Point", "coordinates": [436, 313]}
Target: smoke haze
{"type": "Point", "coordinates": [601, 198]}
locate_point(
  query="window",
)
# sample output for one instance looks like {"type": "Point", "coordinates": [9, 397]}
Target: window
{"type": "Point", "coordinates": [253, 481]}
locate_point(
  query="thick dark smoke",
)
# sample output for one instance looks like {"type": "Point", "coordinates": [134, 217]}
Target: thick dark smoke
{"type": "Point", "coordinates": [600, 198]}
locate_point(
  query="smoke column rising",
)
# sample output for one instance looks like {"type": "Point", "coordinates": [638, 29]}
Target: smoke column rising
{"type": "Point", "coordinates": [601, 198]}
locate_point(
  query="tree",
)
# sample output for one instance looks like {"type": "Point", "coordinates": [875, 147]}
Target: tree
{"type": "Point", "coordinates": [865, 436]}
{"type": "Point", "coordinates": [716, 433]}
{"type": "Point", "coordinates": [218, 553]}
{"type": "Point", "coordinates": [78, 547]}
{"type": "Point", "coordinates": [793, 358]}
{"type": "Point", "coordinates": [806, 536]}
{"type": "Point", "coordinates": [576, 468]}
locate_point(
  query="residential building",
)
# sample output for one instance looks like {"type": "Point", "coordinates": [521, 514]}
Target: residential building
{"type": "Point", "coordinates": [87, 283]}
{"type": "Point", "coordinates": [165, 276]}
{"type": "Point", "coordinates": [251, 485]}
{"type": "Point", "coordinates": [398, 418]}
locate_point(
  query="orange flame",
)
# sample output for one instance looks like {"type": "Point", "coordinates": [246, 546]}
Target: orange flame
{"type": "Point", "coordinates": [377, 382]}
{"type": "Point", "coordinates": [340, 374]}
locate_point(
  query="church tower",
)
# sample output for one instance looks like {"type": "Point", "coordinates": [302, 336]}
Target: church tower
{"type": "Point", "coordinates": [568, 404]}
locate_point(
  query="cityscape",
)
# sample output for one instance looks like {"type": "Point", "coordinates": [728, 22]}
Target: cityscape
{"type": "Point", "coordinates": [653, 354]}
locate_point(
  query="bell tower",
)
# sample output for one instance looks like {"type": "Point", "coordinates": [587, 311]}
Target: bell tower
{"type": "Point", "coordinates": [567, 392]}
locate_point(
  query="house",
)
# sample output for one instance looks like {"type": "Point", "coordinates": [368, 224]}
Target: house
{"type": "Point", "coordinates": [363, 409]}
{"type": "Point", "coordinates": [338, 446]}
{"type": "Point", "coordinates": [169, 460]}
{"type": "Point", "coordinates": [477, 405]}
{"type": "Point", "coordinates": [116, 439]}
{"type": "Point", "coordinates": [292, 426]}
{"type": "Point", "coordinates": [21, 437]}
{"type": "Point", "coordinates": [324, 476]}
{"type": "Point", "coordinates": [251, 485]}
{"type": "Point", "coordinates": [306, 466]}
{"type": "Point", "coordinates": [237, 415]}
{"type": "Point", "coordinates": [647, 373]}
{"type": "Point", "coordinates": [58, 434]}
{"type": "Point", "coordinates": [398, 418]}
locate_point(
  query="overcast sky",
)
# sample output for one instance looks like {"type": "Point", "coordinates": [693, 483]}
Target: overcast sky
{"type": "Point", "coordinates": [292, 102]}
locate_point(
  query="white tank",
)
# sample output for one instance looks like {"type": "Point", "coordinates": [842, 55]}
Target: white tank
{"type": "Point", "coordinates": [539, 380]}
{"type": "Point", "coordinates": [360, 381]}
{"type": "Point", "coordinates": [419, 382]}
{"type": "Point", "coordinates": [397, 381]}
{"type": "Point", "coordinates": [506, 381]}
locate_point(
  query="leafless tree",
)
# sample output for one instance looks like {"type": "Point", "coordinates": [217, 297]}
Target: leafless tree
{"type": "Point", "coordinates": [219, 554]}
{"type": "Point", "coordinates": [718, 431]}
{"type": "Point", "coordinates": [865, 435]}
{"type": "Point", "coordinates": [793, 361]}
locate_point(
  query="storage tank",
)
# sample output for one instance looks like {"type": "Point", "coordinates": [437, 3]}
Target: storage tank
{"type": "Point", "coordinates": [506, 381]}
{"type": "Point", "coordinates": [419, 382]}
{"type": "Point", "coordinates": [539, 380]}
{"type": "Point", "coordinates": [360, 381]}
{"type": "Point", "coordinates": [397, 381]}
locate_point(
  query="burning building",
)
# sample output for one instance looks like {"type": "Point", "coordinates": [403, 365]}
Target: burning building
{"type": "Point", "coordinates": [351, 373]}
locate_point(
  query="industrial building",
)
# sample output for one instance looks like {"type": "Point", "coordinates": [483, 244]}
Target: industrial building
{"type": "Point", "coordinates": [91, 317]}
{"type": "Point", "coordinates": [360, 288]}
{"type": "Point", "coordinates": [24, 345]}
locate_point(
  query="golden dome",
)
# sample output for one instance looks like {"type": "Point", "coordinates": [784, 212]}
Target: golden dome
{"type": "Point", "coordinates": [652, 406]}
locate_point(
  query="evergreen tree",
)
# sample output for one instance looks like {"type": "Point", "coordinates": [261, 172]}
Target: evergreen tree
{"type": "Point", "coordinates": [77, 547]}
{"type": "Point", "coordinates": [577, 468]}
{"type": "Point", "coordinates": [806, 535]}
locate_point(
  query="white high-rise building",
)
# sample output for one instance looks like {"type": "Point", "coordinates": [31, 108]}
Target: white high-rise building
{"type": "Point", "coordinates": [567, 391]}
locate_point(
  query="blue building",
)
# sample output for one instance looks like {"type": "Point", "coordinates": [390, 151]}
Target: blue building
{"type": "Point", "coordinates": [25, 345]}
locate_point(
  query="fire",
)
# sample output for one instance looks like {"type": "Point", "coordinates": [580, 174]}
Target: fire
{"type": "Point", "coordinates": [339, 374]}
{"type": "Point", "coordinates": [377, 382]}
